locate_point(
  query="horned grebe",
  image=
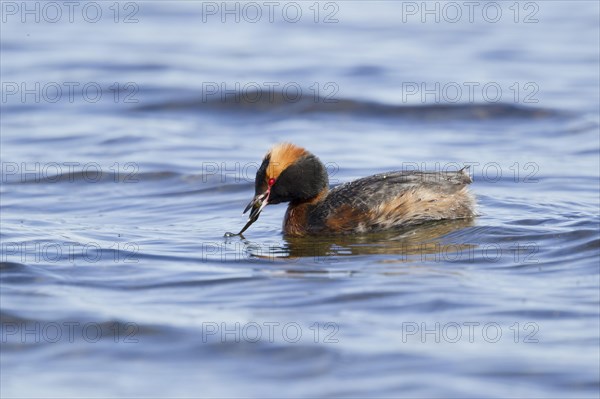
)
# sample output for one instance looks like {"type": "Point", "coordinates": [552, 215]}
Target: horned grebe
{"type": "Point", "coordinates": [289, 173]}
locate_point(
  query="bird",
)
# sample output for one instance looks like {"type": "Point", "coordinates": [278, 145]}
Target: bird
{"type": "Point", "coordinates": [392, 200]}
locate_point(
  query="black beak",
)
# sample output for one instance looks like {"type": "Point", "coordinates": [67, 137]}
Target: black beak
{"type": "Point", "coordinates": [257, 204]}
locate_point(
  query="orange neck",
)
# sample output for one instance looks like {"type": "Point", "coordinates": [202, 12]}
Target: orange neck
{"type": "Point", "coordinates": [295, 222]}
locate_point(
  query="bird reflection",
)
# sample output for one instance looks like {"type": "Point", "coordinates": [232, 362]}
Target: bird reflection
{"type": "Point", "coordinates": [424, 240]}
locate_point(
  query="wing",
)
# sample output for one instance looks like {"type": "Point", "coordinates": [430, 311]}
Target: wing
{"type": "Point", "coordinates": [394, 198]}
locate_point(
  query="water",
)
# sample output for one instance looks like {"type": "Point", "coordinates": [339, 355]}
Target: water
{"type": "Point", "coordinates": [117, 279]}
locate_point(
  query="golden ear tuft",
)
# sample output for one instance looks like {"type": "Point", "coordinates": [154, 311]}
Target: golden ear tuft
{"type": "Point", "coordinates": [283, 155]}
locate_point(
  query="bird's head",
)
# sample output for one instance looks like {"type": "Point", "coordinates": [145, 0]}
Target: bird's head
{"type": "Point", "coordinates": [288, 173]}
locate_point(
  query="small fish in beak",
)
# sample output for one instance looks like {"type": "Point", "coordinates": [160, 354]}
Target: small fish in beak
{"type": "Point", "coordinates": [257, 204]}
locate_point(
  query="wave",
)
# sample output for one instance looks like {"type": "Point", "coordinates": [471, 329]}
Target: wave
{"type": "Point", "coordinates": [266, 101]}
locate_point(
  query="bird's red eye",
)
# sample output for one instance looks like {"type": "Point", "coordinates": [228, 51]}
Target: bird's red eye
{"type": "Point", "coordinates": [271, 181]}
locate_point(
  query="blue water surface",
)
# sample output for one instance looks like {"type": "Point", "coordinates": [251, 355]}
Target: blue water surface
{"type": "Point", "coordinates": [129, 143]}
